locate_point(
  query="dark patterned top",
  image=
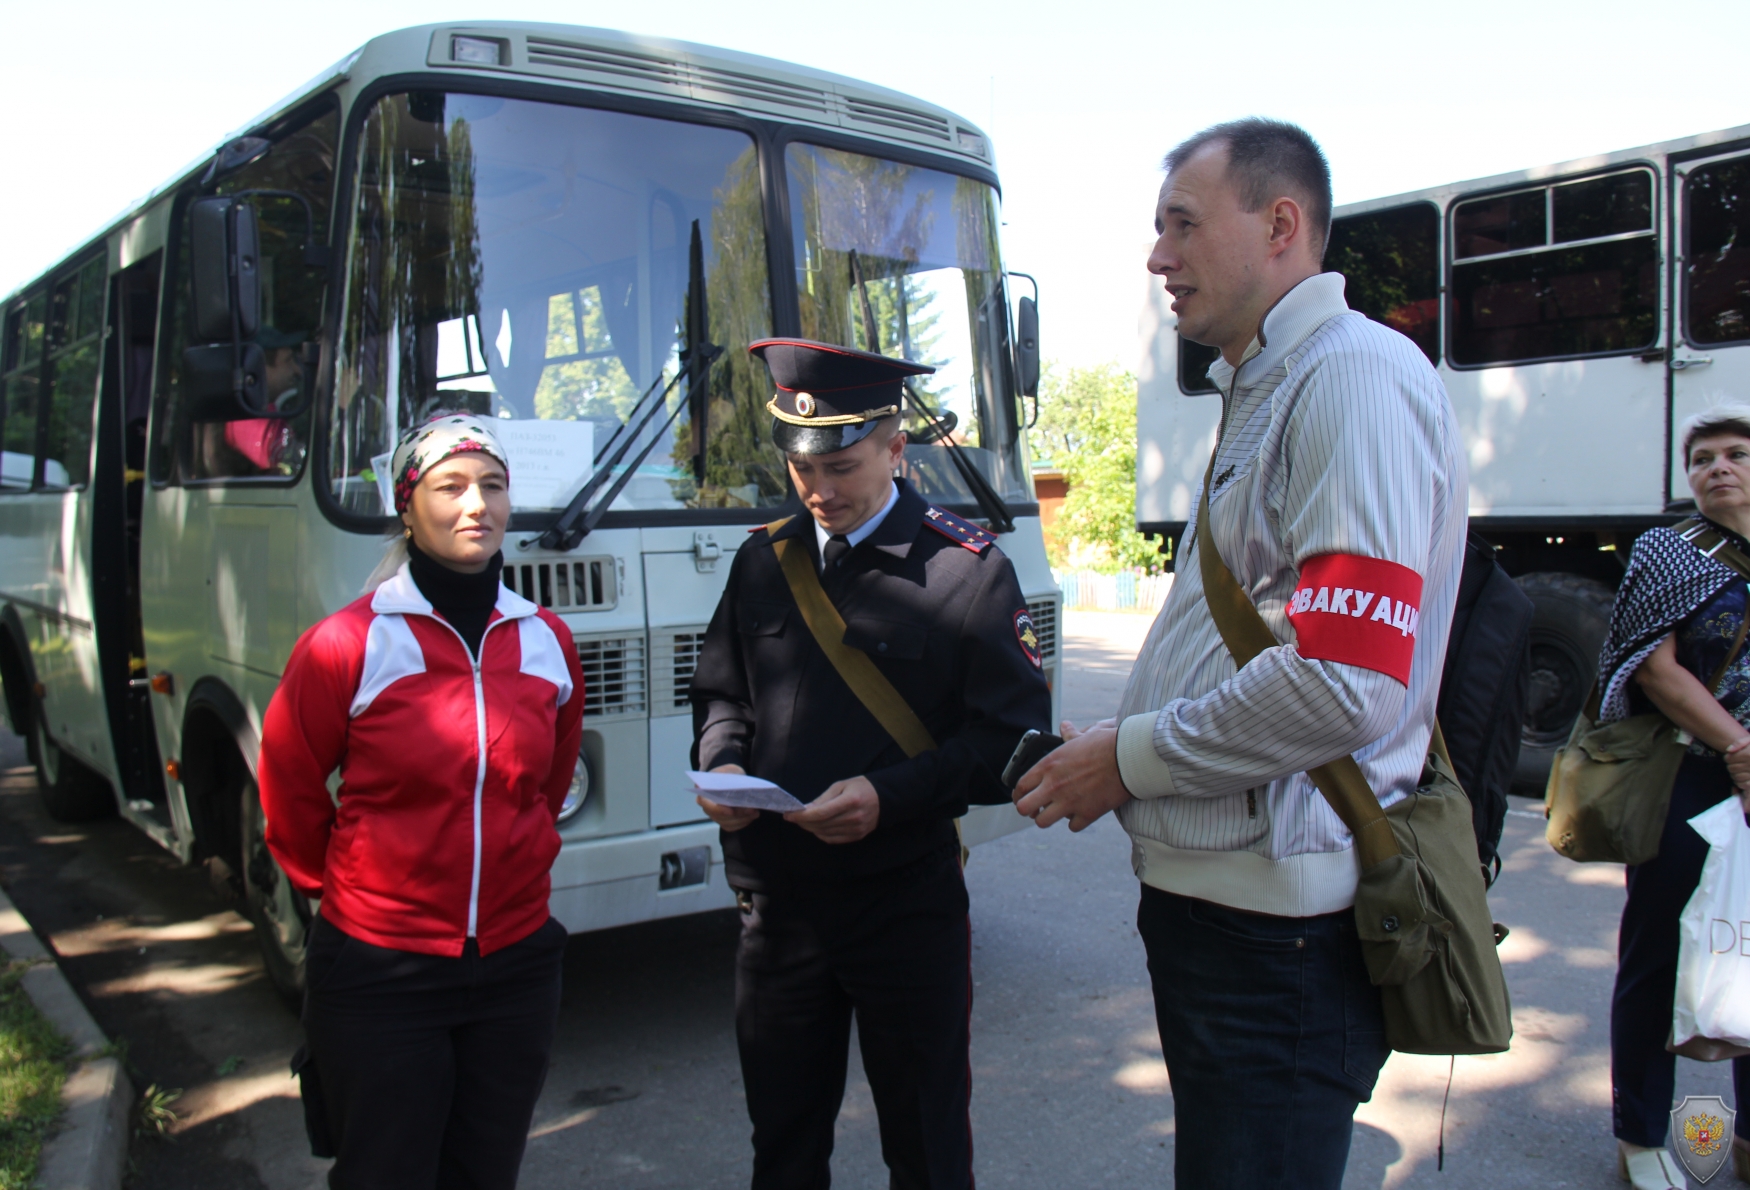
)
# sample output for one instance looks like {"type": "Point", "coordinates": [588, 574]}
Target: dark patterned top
{"type": "Point", "coordinates": [1670, 586]}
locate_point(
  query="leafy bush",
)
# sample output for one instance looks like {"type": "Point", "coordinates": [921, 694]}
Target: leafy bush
{"type": "Point", "coordinates": [1087, 430]}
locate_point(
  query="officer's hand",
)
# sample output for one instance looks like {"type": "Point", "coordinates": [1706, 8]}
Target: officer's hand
{"type": "Point", "coordinates": [730, 818]}
{"type": "Point", "coordinates": [846, 812]}
{"type": "Point", "coordinates": [1078, 781]}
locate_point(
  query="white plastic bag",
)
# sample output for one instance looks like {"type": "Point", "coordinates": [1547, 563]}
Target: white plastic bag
{"type": "Point", "coordinates": [1713, 957]}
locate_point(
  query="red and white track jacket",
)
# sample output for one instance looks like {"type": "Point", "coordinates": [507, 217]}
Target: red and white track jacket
{"type": "Point", "coordinates": [451, 772]}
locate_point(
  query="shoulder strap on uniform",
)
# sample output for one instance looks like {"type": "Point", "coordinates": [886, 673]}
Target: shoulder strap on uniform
{"type": "Point", "coordinates": [856, 667]}
{"type": "Point", "coordinates": [1246, 635]}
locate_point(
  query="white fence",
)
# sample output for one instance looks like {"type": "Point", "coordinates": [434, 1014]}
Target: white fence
{"type": "Point", "coordinates": [1126, 591]}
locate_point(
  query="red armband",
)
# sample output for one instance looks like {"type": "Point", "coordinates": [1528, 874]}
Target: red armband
{"type": "Point", "coordinates": [1360, 611]}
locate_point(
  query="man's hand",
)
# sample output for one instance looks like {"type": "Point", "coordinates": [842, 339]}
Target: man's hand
{"type": "Point", "coordinates": [1078, 781]}
{"type": "Point", "coordinates": [846, 812]}
{"type": "Point", "coordinates": [730, 818]}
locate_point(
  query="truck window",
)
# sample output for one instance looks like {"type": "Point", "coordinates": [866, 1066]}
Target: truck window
{"type": "Point", "coordinates": [75, 328]}
{"type": "Point", "coordinates": [1716, 268]}
{"type": "Point", "coordinates": [1390, 261]}
{"type": "Point", "coordinates": [1555, 271]}
{"type": "Point", "coordinates": [21, 357]}
{"type": "Point", "coordinates": [1194, 361]}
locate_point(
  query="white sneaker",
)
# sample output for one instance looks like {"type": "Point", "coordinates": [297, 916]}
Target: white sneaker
{"type": "Point", "coordinates": [1650, 1169]}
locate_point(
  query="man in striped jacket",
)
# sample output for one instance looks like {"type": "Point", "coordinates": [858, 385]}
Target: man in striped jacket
{"type": "Point", "coordinates": [1338, 498]}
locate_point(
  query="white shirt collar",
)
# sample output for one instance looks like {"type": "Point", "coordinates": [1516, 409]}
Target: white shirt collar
{"type": "Point", "coordinates": [1296, 315]}
{"type": "Point", "coordinates": [856, 536]}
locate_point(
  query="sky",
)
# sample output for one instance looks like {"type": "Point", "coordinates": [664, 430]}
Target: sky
{"type": "Point", "coordinates": [106, 101]}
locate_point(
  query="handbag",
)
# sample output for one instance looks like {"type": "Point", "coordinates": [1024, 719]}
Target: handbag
{"type": "Point", "coordinates": [1421, 905]}
{"type": "Point", "coordinates": [1610, 787]}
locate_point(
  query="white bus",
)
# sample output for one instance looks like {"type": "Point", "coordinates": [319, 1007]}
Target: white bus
{"type": "Point", "coordinates": [1577, 313]}
{"type": "Point", "coordinates": [574, 230]}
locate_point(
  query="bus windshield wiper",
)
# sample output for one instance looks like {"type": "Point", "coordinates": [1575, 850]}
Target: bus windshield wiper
{"type": "Point", "coordinates": [574, 524]}
{"type": "Point", "coordinates": [991, 504]}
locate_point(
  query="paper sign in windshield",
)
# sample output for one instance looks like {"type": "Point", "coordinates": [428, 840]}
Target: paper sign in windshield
{"type": "Point", "coordinates": [549, 459]}
{"type": "Point", "coordinates": [737, 789]}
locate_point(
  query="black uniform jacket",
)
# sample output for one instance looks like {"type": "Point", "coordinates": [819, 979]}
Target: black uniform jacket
{"type": "Point", "coordinates": [945, 624]}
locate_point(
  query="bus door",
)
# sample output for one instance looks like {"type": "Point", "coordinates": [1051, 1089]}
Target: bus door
{"type": "Point", "coordinates": [118, 483]}
{"type": "Point", "coordinates": [1711, 313]}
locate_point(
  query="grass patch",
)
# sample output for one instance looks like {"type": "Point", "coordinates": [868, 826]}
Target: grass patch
{"type": "Point", "coordinates": [32, 1069]}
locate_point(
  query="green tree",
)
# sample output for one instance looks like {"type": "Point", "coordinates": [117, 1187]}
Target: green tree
{"type": "Point", "coordinates": [1087, 430]}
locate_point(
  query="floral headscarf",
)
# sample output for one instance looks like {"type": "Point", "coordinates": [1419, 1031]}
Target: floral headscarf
{"type": "Point", "coordinates": [436, 439]}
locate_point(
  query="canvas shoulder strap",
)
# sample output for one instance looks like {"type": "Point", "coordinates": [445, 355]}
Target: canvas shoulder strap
{"type": "Point", "coordinates": [856, 667]}
{"type": "Point", "coordinates": [1246, 635]}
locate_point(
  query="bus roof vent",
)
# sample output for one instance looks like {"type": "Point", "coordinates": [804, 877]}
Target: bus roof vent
{"type": "Point", "coordinates": [891, 117]}
{"type": "Point", "coordinates": [620, 67]}
{"type": "Point", "coordinates": [711, 83]}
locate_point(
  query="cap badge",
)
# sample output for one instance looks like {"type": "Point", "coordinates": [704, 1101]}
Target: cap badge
{"type": "Point", "coordinates": [805, 404]}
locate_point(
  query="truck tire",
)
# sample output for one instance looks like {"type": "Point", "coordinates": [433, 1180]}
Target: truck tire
{"type": "Point", "coordinates": [70, 792]}
{"type": "Point", "coordinates": [1570, 618]}
{"type": "Point", "coordinates": [280, 914]}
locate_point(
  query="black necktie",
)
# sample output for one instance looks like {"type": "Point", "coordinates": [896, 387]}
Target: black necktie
{"type": "Point", "coordinates": [837, 546]}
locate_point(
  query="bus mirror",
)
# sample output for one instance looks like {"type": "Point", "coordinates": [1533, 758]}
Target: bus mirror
{"type": "Point", "coordinates": [1027, 346]}
{"type": "Point", "coordinates": [225, 270]}
{"type": "Point", "coordinates": [220, 383]}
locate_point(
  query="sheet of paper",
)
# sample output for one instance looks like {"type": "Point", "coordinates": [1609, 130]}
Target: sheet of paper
{"type": "Point", "coordinates": [549, 459]}
{"type": "Point", "coordinates": [736, 789]}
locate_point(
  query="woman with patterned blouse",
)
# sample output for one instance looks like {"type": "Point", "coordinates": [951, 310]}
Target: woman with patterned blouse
{"type": "Point", "coordinates": [1675, 621]}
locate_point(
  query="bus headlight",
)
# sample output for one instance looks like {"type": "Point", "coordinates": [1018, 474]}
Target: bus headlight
{"type": "Point", "coordinates": [579, 791]}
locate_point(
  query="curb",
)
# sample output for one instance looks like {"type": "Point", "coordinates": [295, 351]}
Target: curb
{"type": "Point", "coordinates": [89, 1148]}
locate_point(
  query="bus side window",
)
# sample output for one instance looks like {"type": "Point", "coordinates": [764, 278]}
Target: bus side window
{"type": "Point", "coordinates": [1390, 261]}
{"type": "Point", "coordinates": [1194, 361]}
{"type": "Point", "coordinates": [21, 354]}
{"type": "Point", "coordinates": [302, 160]}
{"type": "Point", "coordinates": [1716, 274]}
{"type": "Point", "coordinates": [1570, 269]}
{"type": "Point", "coordinates": [75, 346]}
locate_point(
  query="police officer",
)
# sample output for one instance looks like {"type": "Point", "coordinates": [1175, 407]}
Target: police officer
{"type": "Point", "coordinates": [855, 903]}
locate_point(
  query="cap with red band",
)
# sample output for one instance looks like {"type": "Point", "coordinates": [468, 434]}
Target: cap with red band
{"type": "Point", "coordinates": [1360, 611]}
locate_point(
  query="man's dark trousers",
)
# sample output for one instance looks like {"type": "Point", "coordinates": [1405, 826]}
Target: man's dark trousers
{"type": "Point", "coordinates": [895, 950]}
{"type": "Point", "coordinates": [428, 1067]}
{"type": "Point", "coordinates": [1265, 1019]}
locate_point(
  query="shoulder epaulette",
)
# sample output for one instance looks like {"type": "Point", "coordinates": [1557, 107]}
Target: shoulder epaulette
{"type": "Point", "coordinates": [959, 529]}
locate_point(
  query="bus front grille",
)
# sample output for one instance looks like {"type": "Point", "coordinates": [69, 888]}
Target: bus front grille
{"type": "Point", "coordinates": [1044, 615]}
{"type": "Point", "coordinates": [613, 675]}
{"type": "Point", "coordinates": [580, 585]}
{"type": "Point", "coordinates": [674, 653]}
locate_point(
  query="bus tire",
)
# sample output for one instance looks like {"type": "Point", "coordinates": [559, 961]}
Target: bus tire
{"type": "Point", "coordinates": [70, 792]}
{"type": "Point", "coordinates": [1569, 620]}
{"type": "Point", "coordinates": [280, 914]}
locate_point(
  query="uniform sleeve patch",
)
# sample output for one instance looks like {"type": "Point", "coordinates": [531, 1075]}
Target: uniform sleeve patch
{"type": "Point", "coordinates": [1360, 611]}
{"type": "Point", "coordinates": [1029, 639]}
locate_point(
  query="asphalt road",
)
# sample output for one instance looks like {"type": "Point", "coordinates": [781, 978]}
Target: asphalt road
{"type": "Point", "coordinates": [1069, 1090]}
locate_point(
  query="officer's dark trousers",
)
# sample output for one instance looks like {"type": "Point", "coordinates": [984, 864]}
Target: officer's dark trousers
{"type": "Point", "coordinates": [427, 1068]}
{"type": "Point", "coordinates": [895, 951]}
{"type": "Point", "coordinates": [1265, 1019]}
{"type": "Point", "coordinates": [1642, 1071]}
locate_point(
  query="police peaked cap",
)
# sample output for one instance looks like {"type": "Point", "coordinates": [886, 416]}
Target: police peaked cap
{"type": "Point", "coordinates": [830, 397]}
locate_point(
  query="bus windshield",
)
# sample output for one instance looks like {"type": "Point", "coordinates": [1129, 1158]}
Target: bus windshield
{"type": "Point", "coordinates": [924, 245]}
{"type": "Point", "coordinates": [528, 262]}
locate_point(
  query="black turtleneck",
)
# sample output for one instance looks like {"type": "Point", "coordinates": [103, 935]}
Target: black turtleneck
{"type": "Point", "coordinates": [465, 600]}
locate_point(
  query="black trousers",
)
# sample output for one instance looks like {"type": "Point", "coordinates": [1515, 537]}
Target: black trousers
{"type": "Point", "coordinates": [425, 1068]}
{"type": "Point", "coordinates": [895, 951]}
{"type": "Point", "coordinates": [1264, 1019]}
{"type": "Point", "coordinates": [1643, 1073]}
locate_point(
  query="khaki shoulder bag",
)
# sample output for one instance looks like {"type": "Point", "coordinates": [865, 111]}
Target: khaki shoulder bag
{"type": "Point", "coordinates": [1421, 908]}
{"type": "Point", "coordinates": [1610, 787]}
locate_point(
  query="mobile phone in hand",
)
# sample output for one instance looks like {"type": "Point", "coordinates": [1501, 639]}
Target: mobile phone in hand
{"type": "Point", "coordinates": [1033, 748]}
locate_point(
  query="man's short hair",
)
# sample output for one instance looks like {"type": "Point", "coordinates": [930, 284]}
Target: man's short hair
{"type": "Point", "coordinates": [1724, 418]}
{"type": "Point", "coordinates": [1267, 159]}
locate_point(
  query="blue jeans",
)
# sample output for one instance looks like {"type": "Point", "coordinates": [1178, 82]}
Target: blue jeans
{"type": "Point", "coordinates": [1272, 1035]}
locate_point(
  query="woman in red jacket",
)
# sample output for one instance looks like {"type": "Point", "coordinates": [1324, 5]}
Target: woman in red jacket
{"type": "Point", "coordinates": [452, 709]}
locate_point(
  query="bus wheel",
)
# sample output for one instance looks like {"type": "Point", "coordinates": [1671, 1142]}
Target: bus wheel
{"type": "Point", "coordinates": [70, 791]}
{"type": "Point", "coordinates": [1569, 620]}
{"type": "Point", "coordinates": [281, 915]}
